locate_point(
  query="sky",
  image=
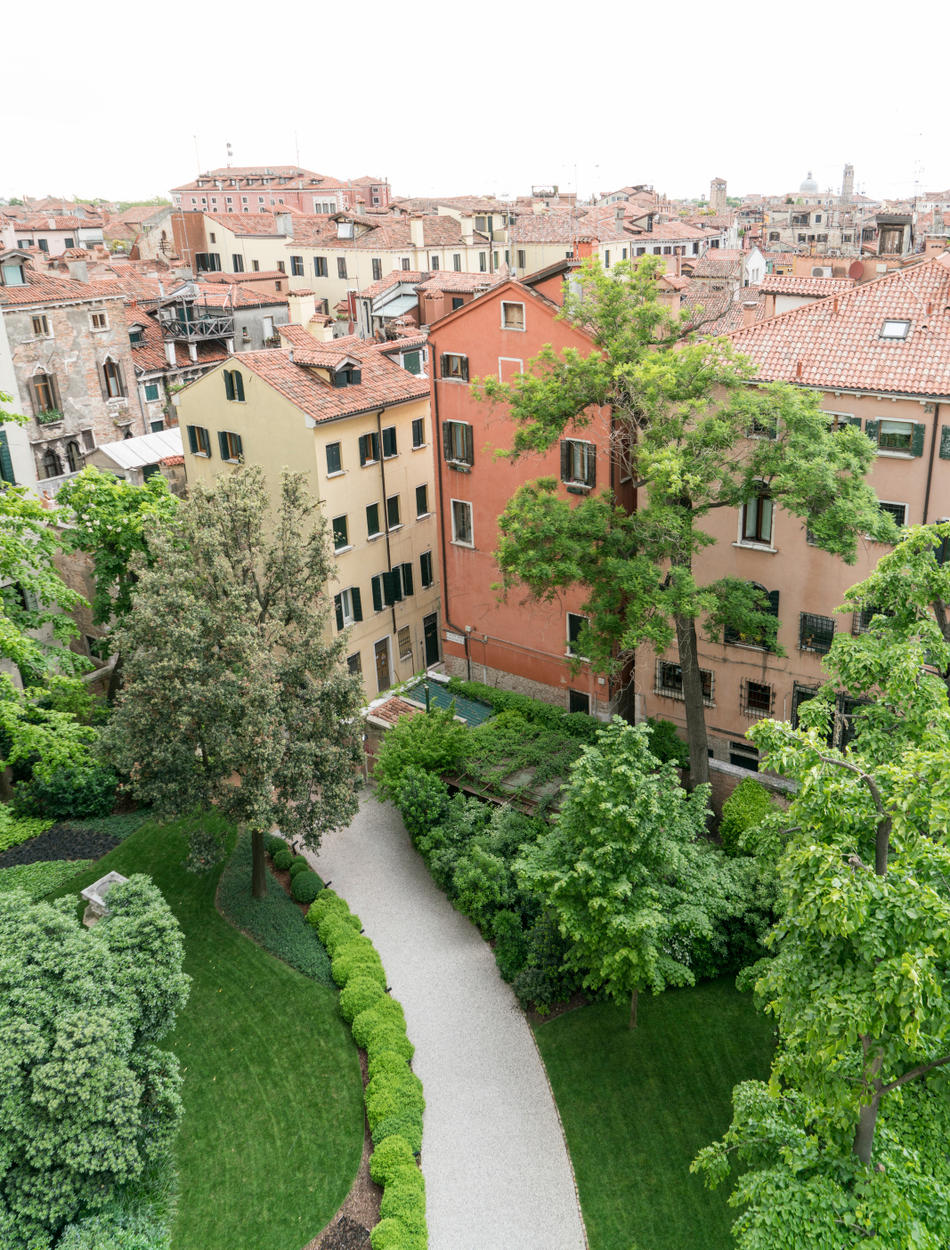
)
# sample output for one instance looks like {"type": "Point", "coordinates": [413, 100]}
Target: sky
{"type": "Point", "coordinates": [125, 101]}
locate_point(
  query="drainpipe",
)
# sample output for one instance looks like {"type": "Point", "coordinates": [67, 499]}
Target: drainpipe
{"type": "Point", "coordinates": [382, 478]}
{"type": "Point", "coordinates": [930, 466]}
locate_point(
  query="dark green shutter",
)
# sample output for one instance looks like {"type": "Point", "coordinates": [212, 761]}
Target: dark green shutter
{"type": "Point", "coordinates": [364, 442]}
{"type": "Point", "coordinates": [223, 444]}
{"type": "Point", "coordinates": [193, 439]}
{"type": "Point", "coordinates": [357, 604]}
{"type": "Point", "coordinates": [853, 421]}
{"type": "Point", "coordinates": [238, 446]}
{"type": "Point", "coordinates": [945, 442]}
{"type": "Point", "coordinates": [565, 460]}
{"type": "Point", "coordinates": [592, 466]}
{"type": "Point", "coordinates": [377, 585]}
{"type": "Point", "coordinates": [469, 440]}
{"type": "Point", "coordinates": [871, 429]}
{"type": "Point", "coordinates": [228, 384]}
{"type": "Point", "coordinates": [443, 368]}
{"type": "Point", "coordinates": [392, 592]}
{"type": "Point", "coordinates": [773, 603]}
{"type": "Point", "coordinates": [917, 441]}
{"type": "Point", "coordinates": [6, 463]}
{"type": "Point", "coordinates": [238, 386]}
{"type": "Point", "coordinates": [446, 440]}
{"type": "Point", "coordinates": [425, 568]}
{"type": "Point", "coordinates": [338, 606]}
{"type": "Point", "coordinates": [464, 360]}
{"type": "Point", "coordinates": [407, 579]}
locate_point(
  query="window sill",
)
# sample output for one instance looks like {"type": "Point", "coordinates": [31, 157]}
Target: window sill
{"type": "Point", "coordinates": [459, 466]}
{"type": "Point", "coordinates": [581, 659]}
{"type": "Point", "coordinates": [421, 516]}
{"type": "Point", "coordinates": [458, 543]}
{"type": "Point", "coordinates": [757, 547]}
{"type": "Point", "coordinates": [516, 329]}
{"type": "Point", "coordinates": [392, 529]}
{"type": "Point", "coordinates": [675, 694]}
{"type": "Point", "coordinates": [338, 473]}
{"type": "Point", "coordinates": [892, 453]}
{"type": "Point", "coordinates": [578, 488]}
{"type": "Point", "coordinates": [202, 455]}
{"type": "Point", "coordinates": [339, 551]}
{"type": "Point", "coordinates": [419, 446]}
{"type": "Point", "coordinates": [371, 538]}
{"type": "Point", "coordinates": [368, 464]}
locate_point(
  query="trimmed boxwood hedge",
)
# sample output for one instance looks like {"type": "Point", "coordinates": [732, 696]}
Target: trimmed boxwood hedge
{"type": "Point", "coordinates": [358, 958]}
{"type": "Point", "coordinates": [305, 886]}
{"type": "Point", "coordinates": [745, 808]}
{"type": "Point", "coordinates": [283, 859]}
{"type": "Point", "coordinates": [391, 1155]}
{"type": "Point", "coordinates": [273, 844]}
{"type": "Point", "coordinates": [300, 864]}
{"type": "Point", "coordinates": [359, 993]}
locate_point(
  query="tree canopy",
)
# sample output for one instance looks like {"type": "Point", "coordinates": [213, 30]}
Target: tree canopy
{"type": "Point", "coordinates": [236, 694]}
{"type": "Point", "coordinates": [696, 435]}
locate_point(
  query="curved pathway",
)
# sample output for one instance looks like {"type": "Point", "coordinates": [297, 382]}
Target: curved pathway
{"type": "Point", "coordinates": [497, 1171]}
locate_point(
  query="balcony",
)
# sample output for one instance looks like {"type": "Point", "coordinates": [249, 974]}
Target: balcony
{"type": "Point", "coordinates": [193, 324]}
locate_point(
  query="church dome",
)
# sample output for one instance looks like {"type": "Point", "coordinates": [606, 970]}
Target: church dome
{"type": "Point", "coordinates": [809, 184]}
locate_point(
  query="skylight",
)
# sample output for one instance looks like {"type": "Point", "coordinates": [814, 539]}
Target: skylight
{"type": "Point", "coordinates": [895, 330]}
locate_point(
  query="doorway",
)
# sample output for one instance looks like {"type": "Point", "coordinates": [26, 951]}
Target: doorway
{"type": "Point", "coordinates": [430, 633]}
{"type": "Point", "coordinates": [383, 677]}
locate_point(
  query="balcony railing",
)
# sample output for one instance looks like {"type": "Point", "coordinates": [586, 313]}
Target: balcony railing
{"type": "Point", "coordinates": [198, 329]}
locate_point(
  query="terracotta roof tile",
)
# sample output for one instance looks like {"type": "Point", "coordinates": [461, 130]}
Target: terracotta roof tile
{"type": "Point", "coordinates": [48, 288]}
{"type": "Point", "coordinates": [792, 284]}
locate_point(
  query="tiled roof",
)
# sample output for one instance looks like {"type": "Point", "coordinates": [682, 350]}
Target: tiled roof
{"type": "Point", "coordinates": [792, 284]}
{"type": "Point", "coordinates": [384, 233]}
{"type": "Point", "coordinates": [245, 223]}
{"type": "Point", "coordinates": [41, 222]}
{"type": "Point", "coordinates": [546, 228]}
{"type": "Point", "coordinates": [149, 355]}
{"type": "Point", "coordinates": [448, 280]}
{"type": "Point", "coordinates": [48, 288]}
{"type": "Point", "coordinates": [719, 262]}
{"type": "Point", "coordinates": [390, 711]}
{"type": "Point", "coordinates": [837, 342]}
{"type": "Point", "coordinates": [383, 382]}
{"type": "Point", "coordinates": [412, 276]}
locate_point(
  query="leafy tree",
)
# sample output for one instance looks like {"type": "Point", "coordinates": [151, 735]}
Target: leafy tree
{"type": "Point", "coordinates": [235, 694]}
{"type": "Point", "coordinates": [625, 871]}
{"type": "Point", "coordinates": [685, 415]}
{"type": "Point", "coordinates": [89, 1099]}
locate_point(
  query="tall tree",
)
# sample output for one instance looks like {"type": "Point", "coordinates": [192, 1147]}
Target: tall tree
{"type": "Point", "coordinates": [697, 437]}
{"type": "Point", "coordinates": [625, 871]}
{"type": "Point", "coordinates": [235, 691]}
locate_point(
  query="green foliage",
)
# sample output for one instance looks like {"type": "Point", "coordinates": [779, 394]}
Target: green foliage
{"type": "Point", "coordinates": [509, 755]}
{"type": "Point", "coordinates": [573, 724]}
{"type": "Point", "coordinates": [273, 844]}
{"type": "Point", "coordinates": [300, 864]}
{"type": "Point", "coordinates": [274, 922]}
{"type": "Point", "coordinates": [386, 1035]}
{"type": "Point", "coordinates": [305, 886]}
{"type": "Point", "coordinates": [666, 744]}
{"type": "Point", "coordinates": [357, 958]}
{"type": "Point", "coordinates": [391, 1155]}
{"type": "Point", "coordinates": [404, 1200]}
{"type": "Point", "coordinates": [384, 1061]}
{"type": "Point", "coordinates": [393, 1234]}
{"type": "Point", "coordinates": [63, 793]}
{"type": "Point", "coordinates": [39, 742]}
{"type": "Point", "coordinates": [359, 993]}
{"type": "Point", "coordinates": [422, 798]}
{"type": "Point", "coordinates": [208, 844]}
{"type": "Point", "coordinates": [89, 1099]}
{"type": "Point", "coordinates": [436, 743]}
{"type": "Point", "coordinates": [41, 878]}
{"type": "Point", "coordinates": [385, 1011]}
{"type": "Point", "coordinates": [511, 947]}
{"type": "Point", "coordinates": [283, 859]}
{"type": "Point", "coordinates": [17, 829]}
{"type": "Point", "coordinates": [744, 809]}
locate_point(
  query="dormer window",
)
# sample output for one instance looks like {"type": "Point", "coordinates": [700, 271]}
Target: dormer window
{"type": "Point", "coordinates": [13, 274]}
{"type": "Point", "coordinates": [136, 336]}
{"type": "Point", "coordinates": [895, 330]}
{"type": "Point", "coordinates": [344, 230]}
{"type": "Point", "coordinates": [348, 375]}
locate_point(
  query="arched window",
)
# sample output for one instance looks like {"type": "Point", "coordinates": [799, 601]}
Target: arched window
{"type": "Point", "coordinates": [113, 384]}
{"type": "Point", "coordinates": [73, 456]}
{"type": "Point", "coordinates": [52, 465]}
{"type": "Point", "coordinates": [43, 393]}
{"type": "Point", "coordinates": [757, 517]}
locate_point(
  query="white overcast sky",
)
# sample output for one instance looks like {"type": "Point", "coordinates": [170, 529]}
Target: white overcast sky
{"type": "Point", "coordinates": [449, 98]}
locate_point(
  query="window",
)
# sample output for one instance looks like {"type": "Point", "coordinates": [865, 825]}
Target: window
{"type": "Point", "coordinates": [392, 512]}
{"type": "Point", "coordinates": [319, 266]}
{"type": "Point", "coordinates": [73, 456]}
{"type": "Point", "coordinates": [389, 442]}
{"type": "Point", "coordinates": [422, 500]}
{"type": "Point", "coordinates": [495, 259]}
{"type": "Point", "coordinates": [377, 269]}
{"type": "Point", "coordinates": [199, 442]}
{"type": "Point", "coordinates": [88, 440]}
{"type": "Point", "coordinates": [348, 606]}
{"type": "Point", "coordinates": [669, 681]}
{"type": "Point", "coordinates": [744, 755]}
{"type": "Point", "coordinates": [230, 446]}
{"type": "Point", "coordinates": [434, 263]}
{"type": "Point", "coordinates": [412, 363]}
{"type": "Point", "coordinates": [902, 436]}
{"type": "Point", "coordinates": [256, 266]}
{"type": "Point", "coordinates": [234, 385]}
{"type": "Point", "coordinates": [578, 701]}
{"type": "Point", "coordinates": [404, 262]}
{"type": "Point", "coordinates": [578, 462]}
{"type": "Point", "coordinates": [575, 624]}
{"type": "Point", "coordinates": [334, 459]}
{"type": "Point", "coordinates": [815, 633]}
{"type": "Point", "coordinates": [736, 638]}
{"type": "Point", "coordinates": [458, 443]}
{"type": "Point", "coordinates": [52, 466]}
{"type": "Point", "coordinates": [69, 241]}
{"type": "Point", "coordinates": [41, 326]}
{"type": "Point", "coordinates": [296, 266]}
{"type": "Point", "coordinates": [13, 275]}
{"type": "Point", "coordinates": [369, 448]}
{"type": "Point", "coordinates": [522, 261]}
{"type": "Point", "coordinates": [512, 316]}
{"type": "Point", "coordinates": [404, 573]}
{"type": "Point", "coordinates": [43, 393]}
{"type": "Point", "coordinates": [155, 426]}
{"type": "Point", "coordinates": [462, 523]}
{"type": "Point", "coordinates": [152, 392]}
{"type": "Point", "coordinates": [281, 267]}
{"type": "Point", "coordinates": [113, 383]}
{"type": "Point", "coordinates": [373, 528]}
{"type": "Point", "coordinates": [457, 262]}
{"type": "Point", "coordinates": [392, 587]}
{"type": "Point", "coordinates": [354, 664]}
{"type": "Point", "coordinates": [607, 260]}
{"type": "Point", "coordinates": [43, 244]}
{"type": "Point", "coordinates": [425, 569]}
{"type": "Point", "coordinates": [419, 431]}
{"type": "Point", "coordinates": [895, 329]}
{"type": "Point", "coordinates": [898, 511]}
{"type": "Point", "coordinates": [757, 698]}
{"type": "Point", "coordinates": [237, 263]}
{"type": "Point", "coordinates": [457, 302]}
{"type": "Point", "coordinates": [482, 262]}
{"type": "Point", "coordinates": [211, 236]}
{"type": "Point", "coordinates": [863, 617]}
{"type": "Point", "coordinates": [341, 267]}
{"type": "Point", "coordinates": [454, 367]}
{"type": "Point", "coordinates": [757, 517]}
{"type": "Point", "coordinates": [800, 695]}
{"type": "Point", "coordinates": [341, 538]}
{"type": "Point", "coordinates": [404, 642]}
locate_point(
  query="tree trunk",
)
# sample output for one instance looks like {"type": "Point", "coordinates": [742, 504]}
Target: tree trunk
{"type": "Point", "coordinates": [633, 1008]}
{"type": "Point", "coordinates": [6, 784]}
{"type": "Point", "coordinates": [864, 1134]}
{"type": "Point", "coordinates": [258, 866]}
{"type": "Point", "coordinates": [115, 680]}
{"type": "Point", "coordinates": [693, 699]}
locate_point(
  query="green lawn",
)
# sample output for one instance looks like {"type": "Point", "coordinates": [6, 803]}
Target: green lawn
{"type": "Point", "coordinates": [273, 1126]}
{"type": "Point", "coordinates": [637, 1106]}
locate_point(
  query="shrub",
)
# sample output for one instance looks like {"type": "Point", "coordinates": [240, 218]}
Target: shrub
{"type": "Point", "coordinates": [207, 847]}
{"type": "Point", "coordinates": [391, 1155]}
{"type": "Point", "coordinates": [358, 958]}
{"type": "Point", "coordinates": [404, 1199]}
{"type": "Point", "coordinates": [392, 1234]}
{"type": "Point", "coordinates": [329, 904]}
{"type": "Point", "coordinates": [300, 864]}
{"type": "Point", "coordinates": [385, 1061]}
{"type": "Point", "coordinates": [435, 743]}
{"type": "Point", "coordinates": [17, 829]}
{"type": "Point", "coordinates": [422, 799]}
{"type": "Point", "coordinates": [335, 931]}
{"type": "Point", "coordinates": [544, 981]}
{"type": "Point", "coordinates": [305, 886]}
{"type": "Point", "coordinates": [273, 844]}
{"type": "Point", "coordinates": [357, 995]}
{"type": "Point", "coordinates": [745, 808]}
{"type": "Point", "coordinates": [283, 859]}
{"type": "Point", "coordinates": [115, 1228]}
{"type": "Point", "coordinates": [511, 944]}
{"type": "Point", "coordinates": [390, 1090]}
{"type": "Point", "coordinates": [384, 1011]}
{"type": "Point", "coordinates": [385, 1036]}
{"type": "Point", "coordinates": [483, 885]}
{"type": "Point", "coordinates": [666, 744]}
{"type": "Point", "coordinates": [68, 793]}
{"type": "Point", "coordinates": [576, 724]}
{"type": "Point", "coordinates": [43, 877]}
{"type": "Point", "coordinates": [404, 1122]}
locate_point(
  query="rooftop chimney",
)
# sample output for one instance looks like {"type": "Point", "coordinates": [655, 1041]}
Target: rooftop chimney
{"type": "Point", "coordinates": [285, 224]}
{"type": "Point", "coordinates": [749, 307]}
{"type": "Point", "coordinates": [301, 306]}
{"type": "Point", "coordinates": [78, 270]}
{"type": "Point", "coordinates": [416, 230]}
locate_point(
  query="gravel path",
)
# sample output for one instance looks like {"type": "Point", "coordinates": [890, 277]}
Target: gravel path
{"type": "Point", "coordinates": [497, 1171]}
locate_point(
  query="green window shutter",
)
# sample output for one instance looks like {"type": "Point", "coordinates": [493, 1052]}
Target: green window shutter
{"type": "Point", "coordinates": [377, 585]}
{"type": "Point", "coordinates": [238, 385]}
{"type": "Point", "coordinates": [447, 440]}
{"type": "Point", "coordinates": [228, 384]}
{"type": "Point", "coordinates": [443, 366]}
{"type": "Point", "coordinates": [917, 441]}
{"type": "Point", "coordinates": [372, 519]}
{"type": "Point", "coordinates": [364, 445]}
{"type": "Point", "coordinates": [854, 421]}
{"type": "Point", "coordinates": [871, 429]}
{"type": "Point", "coordinates": [6, 462]}
{"type": "Point", "coordinates": [945, 442]}
{"type": "Point", "coordinates": [223, 444]}
{"type": "Point", "coordinates": [338, 607]}
{"type": "Point", "coordinates": [407, 579]}
{"type": "Point", "coordinates": [592, 466]}
{"type": "Point", "coordinates": [238, 446]}
{"type": "Point", "coordinates": [193, 439]}
{"type": "Point", "coordinates": [773, 602]}
{"type": "Point", "coordinates": [357, 604]}
{"type": "Point", "coordinates": [469, 439]}
{"type": "Point", "coordinates": [565, 460]}
{"type": "Point", "coordinates": [392, 592]}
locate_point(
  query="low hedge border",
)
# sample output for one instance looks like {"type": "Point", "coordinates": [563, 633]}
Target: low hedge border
{"type": "Point", "coordinates": [393, 1094]}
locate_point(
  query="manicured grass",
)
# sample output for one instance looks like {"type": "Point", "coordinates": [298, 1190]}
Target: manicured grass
{"type": "Point", "coordinates": [273, 1125]}
{"type": "Point", "coordinates": [40, 878]}
{"type": "Point", "coordinates": [637, 1106]}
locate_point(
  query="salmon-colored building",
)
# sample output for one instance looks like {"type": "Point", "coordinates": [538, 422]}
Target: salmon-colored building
{"type": "Point", "coordinates": [515, 643]}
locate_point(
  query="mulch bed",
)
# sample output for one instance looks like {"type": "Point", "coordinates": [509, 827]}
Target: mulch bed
{"type": "Point", "coordinates": [63, 841]}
